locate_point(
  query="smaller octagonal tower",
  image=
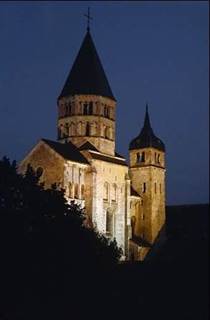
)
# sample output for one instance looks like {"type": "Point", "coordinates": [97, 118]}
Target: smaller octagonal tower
{"type": "Point", "coordinates": [147, 171]}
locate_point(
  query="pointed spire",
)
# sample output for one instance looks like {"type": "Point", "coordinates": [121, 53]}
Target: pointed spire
{"type": "Point", "coordinates": [88, 19]}
{"type": "Point", "coordinates": [146, 137]}
{"type": "Point", "coordinates": [87, 75]}
{"type": "Point", "coordinates": [146, 119]}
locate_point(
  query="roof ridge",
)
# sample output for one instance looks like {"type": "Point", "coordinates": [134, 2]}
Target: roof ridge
{"type": "Point", "coordinates": [67, 150]}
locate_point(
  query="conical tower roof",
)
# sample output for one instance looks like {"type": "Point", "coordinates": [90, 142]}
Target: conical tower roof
{"type": "Point", "coordinates": [146, 138]}
{"type": "Point", "coordinates": [87, 75]}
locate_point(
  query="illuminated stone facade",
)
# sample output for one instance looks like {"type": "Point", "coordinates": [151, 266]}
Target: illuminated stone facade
{"type": "Point", "coordinates": [123, 202]}
{"type": "Point", "coordinates": [97, 127]}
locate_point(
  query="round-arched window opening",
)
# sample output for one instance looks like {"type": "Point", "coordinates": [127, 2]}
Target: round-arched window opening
{"type": "Point", "coordinates": [39, 171]}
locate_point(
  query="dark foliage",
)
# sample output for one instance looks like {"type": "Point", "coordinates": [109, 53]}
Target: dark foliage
{"type": "Point", "coordinates": [54, 268]}
{"type": "Point", "coordinates": [46, 250]}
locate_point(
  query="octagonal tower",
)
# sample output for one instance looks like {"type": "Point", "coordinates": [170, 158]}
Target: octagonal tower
{"type": "Point", "coordinates": [86, 105]}
{"type": "Point", "coordinates": [147, 171]}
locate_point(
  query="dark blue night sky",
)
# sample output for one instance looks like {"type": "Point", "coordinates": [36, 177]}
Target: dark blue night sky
{"type": "Point", "coordinates": [155, 52]}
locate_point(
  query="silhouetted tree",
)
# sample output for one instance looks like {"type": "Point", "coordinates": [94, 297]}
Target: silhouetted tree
{"type": "Point", "coordinates": [45, 245]}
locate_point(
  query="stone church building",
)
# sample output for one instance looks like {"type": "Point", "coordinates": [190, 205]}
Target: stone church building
{"type": "Point", "coordinates": [125, 202]}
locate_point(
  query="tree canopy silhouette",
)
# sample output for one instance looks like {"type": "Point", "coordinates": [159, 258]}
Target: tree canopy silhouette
{"type": "Point", "coordinates": [45, 244]}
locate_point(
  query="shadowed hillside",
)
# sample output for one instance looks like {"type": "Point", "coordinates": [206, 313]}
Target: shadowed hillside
{"type": "Point", "coordinates": [174, 283]}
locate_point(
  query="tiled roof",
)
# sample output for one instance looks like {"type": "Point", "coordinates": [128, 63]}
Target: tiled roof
{"type": "Point", "coordinates": [87, 75]}
{"type": "Point", "coordinates": [67, 151]}
{"type": "Point", "coordinates": [87, 146]}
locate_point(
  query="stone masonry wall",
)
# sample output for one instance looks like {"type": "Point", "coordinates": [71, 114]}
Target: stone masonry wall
{"type": "Point", "coordinates": [114, 201]}
{"type": "Point", "coordinates": [51, 163]}
{"type": "Point", "coordinates": [87, 118]}
{"type": "Point", "coordinates": [148, 179]}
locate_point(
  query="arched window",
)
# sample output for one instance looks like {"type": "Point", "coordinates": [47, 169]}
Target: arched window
{"type": "Point", "coordinates": [155, 157]}
{"type": "Point", "coordinates": [143, 157]}
{"type": "Point", "coordinates": [88, 129]}
{"type": "Point", "coordinates": [144, 187]}
{"type": "Point", "coordinates": [109, 223]}
{"type": "Point", "coordinates": [82, 192]}
{"type": "Point", "coordinates": [91, 107]}
{"type": "Point", "coordinates": [158, 158]}
{"type": "Point", "coordinates": [69, 109]}
{"type": "Point", "coordinates": [138, 157]}
{"type": "Point", "coordinates": [106, 191]}
{"type": "Point", "coordinates": [85, 109]}
{"type": "Point", "coordinates": [76, 191]}
{"type": "Point", "coordinates": [106, 111]}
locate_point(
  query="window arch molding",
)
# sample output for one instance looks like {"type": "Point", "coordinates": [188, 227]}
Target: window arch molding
{"type": "Point", "coordinates": [106, 191]}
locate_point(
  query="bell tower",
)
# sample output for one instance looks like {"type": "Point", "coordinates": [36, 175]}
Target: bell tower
{"type": "Point", "coordinates": [86, 105]}
{"type": "Point", "coordinates": [147, 171]}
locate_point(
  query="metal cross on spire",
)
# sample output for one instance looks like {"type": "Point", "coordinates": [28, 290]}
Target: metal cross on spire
{"type": "Point", "coordinates": [88, 19]}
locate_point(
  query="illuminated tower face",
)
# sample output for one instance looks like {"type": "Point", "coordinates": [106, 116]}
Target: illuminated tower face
{"type": "Point", "coordinates": [147, 170]}
{"type": "Point", "coordinates": [86, 105]}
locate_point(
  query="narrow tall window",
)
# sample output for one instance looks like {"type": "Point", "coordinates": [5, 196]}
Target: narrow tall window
{"type": "Point", "coordinates": [106, 111]}
{"type": "Point", "coordinates": [85, 108]}
{"type": "Point", "coordinates": [138, 157]}
{"type": "Point", "coordinates": [155, 187]}
{"type": "Point", "coordinates": [88, 129]}
{"type": "Point", "coordinates": [91, 108]}
{"type": "Point", "coordinates": [143, 157]}
{"type": "Point", "coordinates": [109, 223]}
{"type": "Point", "coordinates": [144, 187]}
